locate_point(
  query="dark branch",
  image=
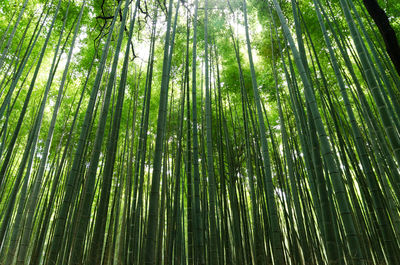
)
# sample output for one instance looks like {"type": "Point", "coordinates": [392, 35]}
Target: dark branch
{"type": "Point", "coordinates": [388, 34]}
{"type": "Point", "coordinates": [105, 18]}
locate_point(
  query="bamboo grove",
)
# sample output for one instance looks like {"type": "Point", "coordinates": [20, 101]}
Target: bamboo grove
{"type": "Point", "coordinates": [197, 132]}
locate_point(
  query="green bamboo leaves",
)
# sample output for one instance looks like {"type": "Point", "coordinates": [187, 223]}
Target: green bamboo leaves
{"type": "Point", "coordinates": [259, 132]}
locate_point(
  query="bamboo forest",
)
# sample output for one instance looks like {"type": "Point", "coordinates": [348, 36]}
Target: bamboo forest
{"type": "Point", "coordinates": [163, 132]}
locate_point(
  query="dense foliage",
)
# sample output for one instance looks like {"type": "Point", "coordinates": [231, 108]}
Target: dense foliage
{"type": "Point", "coordinates": [187, 132]}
